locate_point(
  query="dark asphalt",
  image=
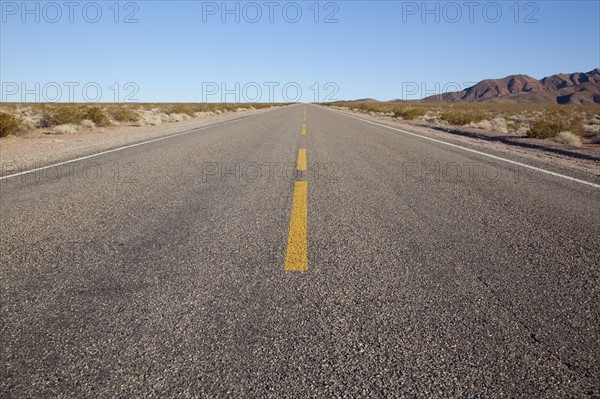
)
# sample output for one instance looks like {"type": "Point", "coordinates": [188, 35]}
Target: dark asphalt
{"type": "Point", "coordinates": [158, 270]}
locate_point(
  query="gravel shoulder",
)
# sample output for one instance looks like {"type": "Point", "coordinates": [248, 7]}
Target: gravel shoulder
{"type": "Point", "coordinates": [39, 147]}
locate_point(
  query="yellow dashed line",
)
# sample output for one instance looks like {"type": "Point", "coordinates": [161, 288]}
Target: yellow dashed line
{"type": "Point", "coordinates": [296, 258]}
{"type": "Point", "coordinates": [302, 159]}
{"type": "Point", "coordinates": [303, 131]}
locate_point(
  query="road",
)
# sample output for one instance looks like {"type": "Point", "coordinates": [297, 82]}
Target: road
{"type": "Point", "coordinates": [226, 263]}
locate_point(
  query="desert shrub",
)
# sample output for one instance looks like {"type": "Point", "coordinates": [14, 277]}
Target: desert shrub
{"type": "Point", "coordinates": [484, 125]}
{"type": "Point", "coordinates": [591, 129]}
{"type": "Point", "coordinates": [408, 114]}
{"type": "Point", "coordinates": [462, 118]}
{"type": "Point", "coordinates": [368, 107]}
{"type": "Point", "coordinates": [31, 122]}
{"type": "Point", "coordinates": [195, 108]}
{"type": "Point", "coordinates": [512, 126]}
{"type": "Point", "coordinates": [150, 117]}
{"type": "Point", "coordinates": [8, 124]}
{"type": "Point", "coordinates": [568, 138]}
{"type": "Point", "coordinates": [212, 107]}
{"type": "Point", "coordinates": [545, 128]}
{"type": "Point", "coordinates": [179, 117]}
{"type": "Point", "coordinates": [88, 124]}
{"type": "Point", "coordinates": [576, 126]}
{"type": "Point", "coordinates": [230, 107]}
{"type": "Point", "coordinates": [180, 109]}
{"type": "Point", "coordinates": [62, 115]}
{"type": "Point", "coordinates": [96, 115]}
{"type": "Point", "coordinates": [65, 129]}
{"type": "Point", "coordinates": [124, 114]}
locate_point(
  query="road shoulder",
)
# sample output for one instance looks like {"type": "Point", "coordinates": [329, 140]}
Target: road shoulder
{"type": "Point", "coordinates": [579, 164]}
{"type": "Point", "coordinates": [37, 149]}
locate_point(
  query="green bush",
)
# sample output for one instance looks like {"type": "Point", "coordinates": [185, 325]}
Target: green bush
{"type": "Point", "coordinates": [8, 124]}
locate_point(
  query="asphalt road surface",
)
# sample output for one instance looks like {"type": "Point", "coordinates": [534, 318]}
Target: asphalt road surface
{"type": "Point", "coordinates": [226, 262]}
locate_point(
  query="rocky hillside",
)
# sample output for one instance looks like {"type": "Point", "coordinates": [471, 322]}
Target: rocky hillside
{"type": "Point", "coordinates": [575, 88]}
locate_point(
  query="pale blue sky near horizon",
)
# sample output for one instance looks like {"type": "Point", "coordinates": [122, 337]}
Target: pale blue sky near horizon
{"type": "Point", "coordinates": [179, 51]}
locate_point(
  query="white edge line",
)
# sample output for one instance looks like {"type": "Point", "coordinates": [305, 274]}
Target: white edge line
{"type": "Point", "coordinates": [475, 151]}
{"type": "Point", "coordinates": [127, 146]}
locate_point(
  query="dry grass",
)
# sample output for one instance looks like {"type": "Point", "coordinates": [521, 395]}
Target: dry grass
{"type": "Point", "coordinates": [68, 118]}
{"type": "Point", "coordinates": [88, 124]}
{"type": "Point", "coordinates": [531, 120]}
{"type": "Point", "coordinates": [65, 129]}
{"type": "Point", "coordinates": [568, 138]}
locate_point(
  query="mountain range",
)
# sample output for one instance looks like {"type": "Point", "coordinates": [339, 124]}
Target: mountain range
{"type": "Point", "coordinates": [575, 88]}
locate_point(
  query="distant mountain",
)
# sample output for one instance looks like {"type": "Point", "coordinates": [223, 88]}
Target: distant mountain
{"type": "Point", "coordinates": [575, 88]}
{"type": "Point", "coordinates": [362, 100]}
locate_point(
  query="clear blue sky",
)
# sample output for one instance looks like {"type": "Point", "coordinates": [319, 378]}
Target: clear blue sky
{"type": "Point", "coordinates": [380, 49]}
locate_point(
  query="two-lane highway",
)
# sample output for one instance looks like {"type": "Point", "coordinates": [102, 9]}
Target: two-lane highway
{"type": "Point", "coordinates": [298, 253]}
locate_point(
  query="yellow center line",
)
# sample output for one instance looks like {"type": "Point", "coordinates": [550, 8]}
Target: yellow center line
{"type": "Point", "coordinates": [296, 257]}
{"type": "Point", "coordinates": [302, 159]}
{"type": "Point", "coordinates": [304, 124]}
